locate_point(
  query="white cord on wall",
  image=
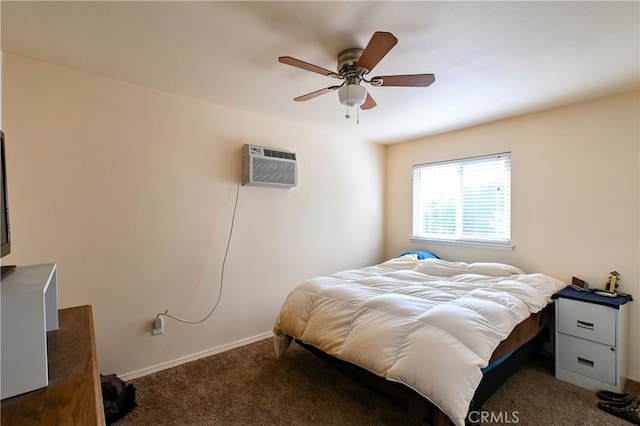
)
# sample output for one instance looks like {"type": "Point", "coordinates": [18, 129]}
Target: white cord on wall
{"type": "Point", "coordinates": [224, 261]}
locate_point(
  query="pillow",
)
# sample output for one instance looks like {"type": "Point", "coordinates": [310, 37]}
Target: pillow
{"type": "Point", "coordinates": [422, 254]}
{"type": "Point", "coordinates": [441, 268]}
{"type": "Point", "coordinates": [402, 262]}
{"type": "Point", "coordinates": [445, 268]}
{"type": "Point", "coordinates": [494, 269]}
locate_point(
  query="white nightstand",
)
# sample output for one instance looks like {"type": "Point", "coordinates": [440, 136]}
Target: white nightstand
{"type": "Point", "coordinates": [590, 340]}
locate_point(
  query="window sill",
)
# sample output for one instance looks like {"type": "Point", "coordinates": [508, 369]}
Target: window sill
{"type": "Point", "coordinates": [472, 244]}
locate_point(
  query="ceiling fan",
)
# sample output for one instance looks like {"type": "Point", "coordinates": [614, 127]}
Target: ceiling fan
{"type": "Point", "coordinates": [353, 65]}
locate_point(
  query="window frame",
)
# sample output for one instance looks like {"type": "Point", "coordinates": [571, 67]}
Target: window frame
{"type": "Point", "coordinates": [459, 239]}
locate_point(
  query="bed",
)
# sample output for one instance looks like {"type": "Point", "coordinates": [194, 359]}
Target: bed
{"type": "Point", "coordinates": [430, 330]}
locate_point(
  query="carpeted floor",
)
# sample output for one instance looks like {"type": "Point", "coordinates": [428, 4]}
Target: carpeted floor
{"type": "Point", "coordinates": [249, 385]}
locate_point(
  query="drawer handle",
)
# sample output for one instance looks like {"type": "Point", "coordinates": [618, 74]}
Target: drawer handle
{"type": "Point", "coordinates": [584, 324]}
{"type": "Point", "coordinates": [586, 362]}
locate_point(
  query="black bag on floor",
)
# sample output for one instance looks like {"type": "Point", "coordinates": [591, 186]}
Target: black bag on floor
{"type": "Point", "coordinates": [118, 397]}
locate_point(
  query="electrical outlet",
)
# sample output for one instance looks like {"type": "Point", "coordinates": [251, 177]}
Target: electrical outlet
{"type": "Point", "coordinates": [158, 326]}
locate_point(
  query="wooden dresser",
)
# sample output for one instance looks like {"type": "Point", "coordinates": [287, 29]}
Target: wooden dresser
{"type": "Point", "coordinates": [73, 396]}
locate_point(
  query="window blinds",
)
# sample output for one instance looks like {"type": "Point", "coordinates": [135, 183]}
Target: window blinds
{"type": "Point", "coordinates": [463, 200]}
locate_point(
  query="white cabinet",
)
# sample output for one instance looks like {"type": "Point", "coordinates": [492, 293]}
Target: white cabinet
{"type": "Point", "coordinates": [590, 343]}
{"type": "Point", "coordinates": [29, 311]}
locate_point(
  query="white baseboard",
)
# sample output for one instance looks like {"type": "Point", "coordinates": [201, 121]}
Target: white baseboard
{"type": "Point", "coordinates": [193, 357]}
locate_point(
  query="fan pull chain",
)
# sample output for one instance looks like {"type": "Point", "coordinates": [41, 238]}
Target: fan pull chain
{"type": "Point", "coordinates": [348, 116]}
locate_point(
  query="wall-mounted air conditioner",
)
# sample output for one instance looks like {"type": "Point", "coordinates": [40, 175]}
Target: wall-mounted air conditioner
{"type": "Point", "coordinates": [268, 167]}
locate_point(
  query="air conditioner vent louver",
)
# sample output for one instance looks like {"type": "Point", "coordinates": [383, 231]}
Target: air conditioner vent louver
{"type": "Point", "coordinates": [269, 167]}
{"type": "Point", "coordinates": [279, 154]}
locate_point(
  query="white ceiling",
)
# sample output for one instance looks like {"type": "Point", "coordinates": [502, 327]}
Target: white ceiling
{"type": "Point", "coordinates": [491, 59]}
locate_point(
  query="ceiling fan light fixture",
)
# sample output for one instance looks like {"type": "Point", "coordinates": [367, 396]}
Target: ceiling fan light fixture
{"type": "Point", "coordinates": [352, 95]}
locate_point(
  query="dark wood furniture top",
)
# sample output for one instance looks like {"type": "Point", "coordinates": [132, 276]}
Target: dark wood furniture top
{"type": "Point", "coordinates": [73, 396]}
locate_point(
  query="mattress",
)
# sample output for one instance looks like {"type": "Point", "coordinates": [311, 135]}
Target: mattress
{"type": "Point", "coordinates": [429, 324]}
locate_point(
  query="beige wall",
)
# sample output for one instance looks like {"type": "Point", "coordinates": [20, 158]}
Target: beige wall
{"type": "Point", "coordinates": [575, 193]}
{"type": "Point", "coordinates": [131, 191]}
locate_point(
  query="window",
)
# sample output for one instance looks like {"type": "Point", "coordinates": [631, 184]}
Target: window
{"type": "Point", "coordinates": [464, 201]}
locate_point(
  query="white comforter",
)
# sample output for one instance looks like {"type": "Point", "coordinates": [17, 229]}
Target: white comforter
{"type": "Point", "coordinates": [430, 324]}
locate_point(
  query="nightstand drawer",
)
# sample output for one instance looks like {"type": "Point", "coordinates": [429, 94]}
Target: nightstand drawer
{"type": "Point", "coordinates": [587, 358]}
{"type": "Point", "coordinates": [587, 321]}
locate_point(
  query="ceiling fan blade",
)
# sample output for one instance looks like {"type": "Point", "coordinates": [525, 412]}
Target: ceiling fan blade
{"type": "Point", "coordinates": [379, 45]}
{"type": "Point", "coordinates": [368, 103]}
{"type": "Point", "coordinates": [316, 93]}
{"type": "Point", "coordinates": [288, 60]}
{"type": "Point", "coordinates": [407, 80]}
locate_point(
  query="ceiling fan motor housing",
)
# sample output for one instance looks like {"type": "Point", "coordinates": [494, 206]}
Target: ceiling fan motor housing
{"type": "Point", "coordinates": [347, 60]}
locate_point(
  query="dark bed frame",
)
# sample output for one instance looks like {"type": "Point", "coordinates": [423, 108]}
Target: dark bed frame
{"type": "Point", "coordinates": [421, 408]}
